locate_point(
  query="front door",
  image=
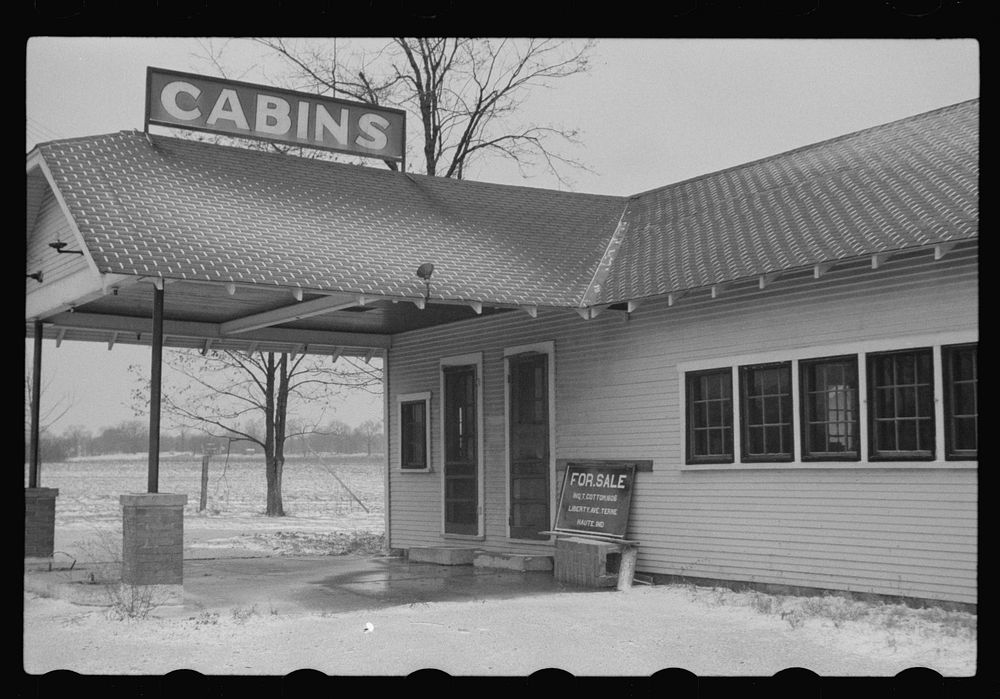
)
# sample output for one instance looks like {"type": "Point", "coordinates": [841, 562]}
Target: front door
{"type": "Point", "coordinates": [461, 458]}
{"type": "Point", "coordinates": [529, 446]}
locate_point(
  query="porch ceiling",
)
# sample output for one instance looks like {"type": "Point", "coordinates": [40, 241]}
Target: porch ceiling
{"type": "Point", "coordinates": [245, 317]}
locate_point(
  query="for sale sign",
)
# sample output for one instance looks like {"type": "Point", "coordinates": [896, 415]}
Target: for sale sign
{"type": "Point", "coordinates": [595, 499]}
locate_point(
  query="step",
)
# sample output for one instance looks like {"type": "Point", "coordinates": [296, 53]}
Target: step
{"type": "Point", "coordinates": [512, 561]}
{"type": "Point", "coordinates": [442, 555]}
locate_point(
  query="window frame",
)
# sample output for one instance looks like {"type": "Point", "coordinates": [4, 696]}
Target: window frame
{"type": "Point", "coordinates": [807, 454]}
{"type": "Point", "coordinates": [930, 454]}
{"type": "Point", "coordinates": [859, 348]}
{"type": "Point", "coordinates": [689, 378]}
{"type": "Point", "coordinates": [745, 456]}
{"type": "Point", "coordinates": [947, 395]}
{"type": "Point", "coordinates": [411, 399]}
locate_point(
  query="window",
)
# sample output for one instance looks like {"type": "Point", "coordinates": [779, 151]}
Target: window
{"type": "Point", "coordinates": [961, 406]}
{"type": "Point", "coordinates": [414, 429]}
{"type": "Point", "coordinates": [766, 412]}
{"type": "Point", "coordinates": [901, 405]}
{"type": "Point", "coordinates": [828, 394]}
{"type": "Point", "coordinates": [710, 416]}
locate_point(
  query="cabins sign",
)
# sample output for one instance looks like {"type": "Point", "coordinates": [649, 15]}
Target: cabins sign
{"type": "Point", "coordinates": [595, 499]}
{"type": "Point", "coordinates": [202, 103]}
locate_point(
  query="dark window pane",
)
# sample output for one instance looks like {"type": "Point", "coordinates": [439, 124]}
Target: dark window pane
{"type": "Point", "coordinates": [711, 413]}
{"type": "Point", "coordinates": [906, 402]}
{"type": "Point", "coordinates": [817, 437]}
{"type": "Point", "coordinates": [884, 403]}
{"type": "Point", "coordinates": [965, 434]}
{"type": "Point", "coordinates": [714, 441]}
{"type": "Point", "coordinates": [907, 431]}
{"type": "Point", "coordinates": [886, 435]}
{"type": "Point", "coordinates": [770, 381]}
{"type": "Point", "coordinates": [905, 369]}
{"type": "Point", "coordinates": [712, 387]}
{"type": "Point", "coordinates": [772, 411]}
{"type": "Point", "coordinates": [965, 399]}
{"type": "Point", "coordinates": [772, 440]}
{"type": "Point", "coordinates": [925, 367]}
{"type": "Point", "coordinates": [965, 365]}
{"type": "Point", "coordinates": [786, 438]}
{"type": "Point", "coordinates": [756, 440]}
{"type": "Point", "coordinates": [925, 433]}
{"type": "Point", "coordinates": [700, 446]}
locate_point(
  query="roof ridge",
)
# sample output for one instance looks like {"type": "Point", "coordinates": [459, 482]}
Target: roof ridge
{"type": "Point", "coordinates": [607, 260]}
{"type": "Point", "coordinates": [806, 147]}
{"type": "Point", "coordinates": [369, 168]}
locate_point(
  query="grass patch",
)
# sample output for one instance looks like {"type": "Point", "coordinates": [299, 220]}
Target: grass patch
{"type": "Point", "coordinates": [126, 601]}
{"type": "Point", "coordinates": [242, 614]}
{"type": "Point", "coordinates": [841, 610]}
{"type": "Point", "coordinates": [294, 543]}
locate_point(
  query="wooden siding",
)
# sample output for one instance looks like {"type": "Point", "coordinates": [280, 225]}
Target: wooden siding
{"type": "Point", "coordinates": [895, 529]}
{"type": "Point", "coordinates": [50, 224]}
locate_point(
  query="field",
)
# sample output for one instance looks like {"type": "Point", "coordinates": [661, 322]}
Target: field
{"type": "Point", "coordinates": [331, 501]}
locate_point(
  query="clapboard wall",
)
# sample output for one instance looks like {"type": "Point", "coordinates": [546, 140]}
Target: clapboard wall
{"type": "Point", "coordinates": [888, 528]}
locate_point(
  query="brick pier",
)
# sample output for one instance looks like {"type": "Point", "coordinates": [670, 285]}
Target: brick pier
{"type": "Point", "coordinates": [153, 539]}
{"type": "Point", "coordinates": [39, 522]}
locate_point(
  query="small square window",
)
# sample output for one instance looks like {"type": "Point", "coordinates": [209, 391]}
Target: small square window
{"type": "Point", "coordinates": [414, 431]}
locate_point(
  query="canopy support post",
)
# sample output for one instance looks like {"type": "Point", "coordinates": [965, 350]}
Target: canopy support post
{"type": "Point", "coordinates": [154, 392]}
{"type": "Point", "coordinates": [36, 399]}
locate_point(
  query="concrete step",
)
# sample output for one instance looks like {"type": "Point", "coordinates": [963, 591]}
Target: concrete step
{"type": "Point", "coordinates": [512, 561]}
{"type": "Point", "coordinates": [442, 555]}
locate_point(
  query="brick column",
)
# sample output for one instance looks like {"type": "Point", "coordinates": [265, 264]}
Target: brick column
{"type": "Point", "coordinates": [153, 539]}
{"type": "Point", "coordinates": [39, 521]}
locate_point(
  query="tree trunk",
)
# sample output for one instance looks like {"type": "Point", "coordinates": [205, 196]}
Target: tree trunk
{"type": "Point", "coordinates": [275, 507]}
{"type": "Point", "coordinates": [273, 463]}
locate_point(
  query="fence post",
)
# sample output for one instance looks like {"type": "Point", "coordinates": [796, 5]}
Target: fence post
{"type": "Point", "coordinates": [204, 483]}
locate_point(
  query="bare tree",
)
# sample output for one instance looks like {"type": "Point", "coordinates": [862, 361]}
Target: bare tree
{"type": "Point", "coordinates": [371, 429]}
{"type": "Point", "coordinates": [467, 95]}
{"type": "Point", "coordinates": [256, 397]}
{"type": "Point", "coordinates": [51, 409]}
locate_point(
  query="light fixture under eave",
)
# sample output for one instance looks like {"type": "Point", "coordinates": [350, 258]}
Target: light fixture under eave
{"type": "Point", "coordinates": [425, 271]}
{"type": "Point", "coordinates": [59, 246]}
{"type": "Point", "coordinates": [37, 276]}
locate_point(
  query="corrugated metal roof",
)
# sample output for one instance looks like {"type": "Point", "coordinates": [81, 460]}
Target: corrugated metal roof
{"type": "Point", "coordinates": [909, 183]}
{"type": "Point", "coordinates": [192, 210]}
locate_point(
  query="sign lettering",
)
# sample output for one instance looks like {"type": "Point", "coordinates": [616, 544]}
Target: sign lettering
{"type": "Point", "coordinates": [203, 103]}
{"type": "Point", "coordinates": [595, 499]}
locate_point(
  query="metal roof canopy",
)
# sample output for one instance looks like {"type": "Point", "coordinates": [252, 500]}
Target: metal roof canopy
{"type": "Point", "coordinates": [206, 316]}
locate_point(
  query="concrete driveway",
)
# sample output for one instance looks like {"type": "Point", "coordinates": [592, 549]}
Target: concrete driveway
{"type": "Point", "coordinates": [348, 583]}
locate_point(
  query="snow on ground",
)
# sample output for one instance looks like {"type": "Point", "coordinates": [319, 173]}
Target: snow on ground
{"type": "Point", "coordinates": [708, 631]}
{"type": "Point", "coordinates": [633, 633]}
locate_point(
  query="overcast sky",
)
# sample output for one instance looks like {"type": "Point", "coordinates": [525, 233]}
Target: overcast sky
{"type": "Point", "coordinates": [650, 112]}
